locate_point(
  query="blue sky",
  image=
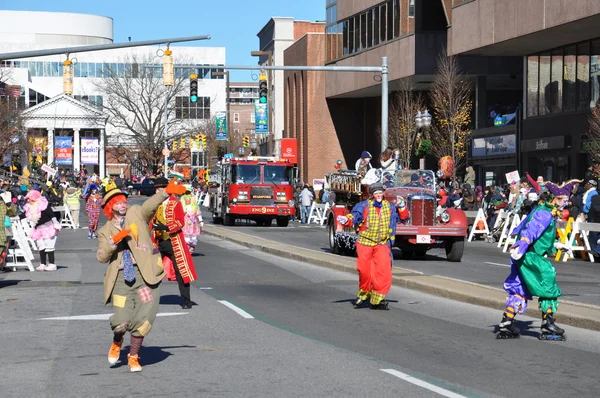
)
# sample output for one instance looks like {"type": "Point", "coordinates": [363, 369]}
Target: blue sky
{"type": "Point", "coordinates": [231, 23]}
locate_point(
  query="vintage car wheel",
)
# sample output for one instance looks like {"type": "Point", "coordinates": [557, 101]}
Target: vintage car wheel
{"type": "Point", "coordinates": [229, 220]}
{"type": "Point", "coordinates": [335, 249]}
{"type": "Point", "coordinates": [455, 249]}
{"type": "Point", "coordinates": [406, 254]}
{"type": "Point", "coordinates": [283, 221]}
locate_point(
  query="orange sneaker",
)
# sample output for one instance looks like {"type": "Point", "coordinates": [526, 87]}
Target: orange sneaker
{"type": "Point", "coordinates": [114, 352]}
{"type": "Point", "coordinates": [134, 363]}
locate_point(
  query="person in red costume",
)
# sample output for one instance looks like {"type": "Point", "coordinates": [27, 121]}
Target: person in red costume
{"type": "Point", "coordinates": [376, 220]}
{"type": "Point", "coordinates": [168, 224]}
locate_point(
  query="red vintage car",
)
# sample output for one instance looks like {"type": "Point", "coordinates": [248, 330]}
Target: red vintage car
{"type": "Point", "coordinates": [429, 226]}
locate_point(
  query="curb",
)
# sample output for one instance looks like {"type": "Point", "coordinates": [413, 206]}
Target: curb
{"type": "Point", "coordinates": [571, 313]}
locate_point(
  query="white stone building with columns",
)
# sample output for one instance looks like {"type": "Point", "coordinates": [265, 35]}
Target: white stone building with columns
{"type": "Point", "coordinates": [50, 113]}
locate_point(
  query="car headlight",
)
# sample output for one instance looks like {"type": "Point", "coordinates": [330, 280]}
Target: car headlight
{"type": "Point", "coordinates": [291, 203]}
{"type": "Point", "coordinates": [445, 217]}
{"type": "Point", "coordinates": [234, 200]}
{"type": "Point", "coordinates": [280, 196]}
{"type": "Point", "coordinates": [242, 195]}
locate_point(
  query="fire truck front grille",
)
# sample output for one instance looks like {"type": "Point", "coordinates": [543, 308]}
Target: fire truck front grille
{"type": "Point", "coordinates": [422, 210]}
{"type": "Point", "coordinates": [261, 196]}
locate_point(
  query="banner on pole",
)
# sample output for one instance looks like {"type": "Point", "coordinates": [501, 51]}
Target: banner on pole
{"type": "Point", "coordinates": [221, 120]}
{"type": "Point", "coordinates": [89, 151]}
{"type": "Point", "coordinates": [63, 151]}
{"type": "Point", "coordinates": [261, 118]}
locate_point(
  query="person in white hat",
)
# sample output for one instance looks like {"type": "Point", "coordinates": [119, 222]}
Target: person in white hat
{"type": "Point", "coordinates": [193, 218]}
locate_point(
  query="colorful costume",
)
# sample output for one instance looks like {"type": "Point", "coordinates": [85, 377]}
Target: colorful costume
{"type": "Point", "coordinates": [7, 209]}
{"type": "Point", "coordinates": [168, 223]}
{"type": "Point", "coordinates": [531, 273]}
{"type": "Point", "coordinates": [376, 224]}
{"type": "Point", "coordinates": [193, 220]}
{"type": "Point", "coordinates": [132, 279]}
{"type": "Point", "coordinates": [92, 208]}
{"type": "Point", "coordinates": [45, 228]}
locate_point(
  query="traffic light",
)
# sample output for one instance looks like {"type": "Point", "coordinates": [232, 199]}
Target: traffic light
{"type": "Point", "coordinates": [198, 140]}
{"type": "Point", "coordinates": [175, 145]}
{"type": "Point", "coordinates": [193, 87]}
{"type": "Point", "coordinates": [203, 140]}
{"type": "Point", "coordinates": [263, 89]}
{"type": "Point", "coordinates": [182, 142]}
{"type": "Point", "coordinates": [168, 68]}
{"type": "Point", "coordinates": [246, 141]}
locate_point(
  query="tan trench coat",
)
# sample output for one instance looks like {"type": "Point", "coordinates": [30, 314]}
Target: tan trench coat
{"type": "Point", "coordinates": [148, 259]}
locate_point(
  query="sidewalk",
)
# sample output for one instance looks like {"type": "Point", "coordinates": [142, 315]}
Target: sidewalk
{"type": "Point", "coordinates": [571, 313]}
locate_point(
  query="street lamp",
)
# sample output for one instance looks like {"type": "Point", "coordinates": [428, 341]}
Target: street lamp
{"type": "Point", "coordinates": [269, 55]}
{"type": "Point", "coordinates": [241, 151]}
{"type": "Point", "coordinates": [228, 121]}
{"type": "Point", "coordinates": [253, 145]}
{"type": "Point", "coordinates": [423, 122]}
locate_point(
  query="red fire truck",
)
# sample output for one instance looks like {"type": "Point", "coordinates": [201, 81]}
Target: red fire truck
{"type": "Point", "coordinates": [254, 188]}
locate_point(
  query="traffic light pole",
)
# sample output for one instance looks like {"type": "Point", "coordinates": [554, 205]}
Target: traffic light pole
{"type": "Point", "coordinates": [383, 69]}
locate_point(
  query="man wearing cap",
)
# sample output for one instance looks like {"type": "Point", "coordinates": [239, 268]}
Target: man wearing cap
{"type": "Point", "coordinates": [168, 223]}
{"type": "Point", "coordinates": [375, 219]}
{"type": "Point", "coordinates": [134, 272]}
{"type": "Point", "coordinates": [590, 192]}
{"type": "Point", "coordinates": [363, 165]}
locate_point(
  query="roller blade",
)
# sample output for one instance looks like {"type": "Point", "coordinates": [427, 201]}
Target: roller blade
{"type": "Point", "coordinates": [552, 337]}
{"type": "Point", "coordinates": [505, 335]}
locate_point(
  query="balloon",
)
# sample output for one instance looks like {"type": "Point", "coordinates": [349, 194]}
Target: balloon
{"type": "Point", "coordinates": [446, 165]}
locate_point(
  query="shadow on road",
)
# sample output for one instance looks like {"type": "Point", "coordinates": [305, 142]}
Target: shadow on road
{"type": "Point", "coordinates": [148, 355]}
{"type": "Point", "coordinates": [172, 299]}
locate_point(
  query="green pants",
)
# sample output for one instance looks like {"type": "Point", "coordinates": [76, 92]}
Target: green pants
{"type": "Point", "coordinates": [539, 276]}
{"type": "Point", "coordinates": [135, 304]}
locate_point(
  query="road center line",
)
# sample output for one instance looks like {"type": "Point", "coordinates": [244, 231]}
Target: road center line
{"type": "Point", "coordinates": [498, 264]}
{"type": "Point", "coordinates": [240, 311]}
{"type": "Point", "coordinates": [421, 383]}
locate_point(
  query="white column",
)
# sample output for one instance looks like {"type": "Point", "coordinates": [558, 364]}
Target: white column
{"type": "Point", "coordinates": [102, 154]}
{"type": "Point", "coordinates": [76, 150]}
{"type": "Point", "coordinates": [50, 146]}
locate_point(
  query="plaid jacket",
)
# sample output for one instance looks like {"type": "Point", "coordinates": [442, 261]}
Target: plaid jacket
{"type": "Point", "coordinates": [358, 218]}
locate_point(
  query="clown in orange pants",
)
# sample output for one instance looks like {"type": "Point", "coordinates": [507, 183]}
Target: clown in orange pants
{"type": "Point", "coordinates": [376, 220]}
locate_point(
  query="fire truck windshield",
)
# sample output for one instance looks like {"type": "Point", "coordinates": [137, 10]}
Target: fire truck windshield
{"type": "Point", "coordinates": [245, 174]}
{"type": "Point", "coordinates": [277, 174]}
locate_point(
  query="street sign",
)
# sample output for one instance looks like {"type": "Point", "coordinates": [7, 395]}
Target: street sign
{"type": "Point", "coordinates": [48, 169]}
{"type": "Point", "coordinates": [228, 156]}
{"type": "Point", "coordinates": [261, 118]}
{"type": "Point", "coordinates": [166, 152]}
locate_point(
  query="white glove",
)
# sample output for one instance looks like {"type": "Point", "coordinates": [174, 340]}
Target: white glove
{"type": "Point", "coordinates": [342, 219]}
{"type": "Point", "coordinates": [400, 203]}
{"type": "Point", "coordinates": [6, 197]}
{"type": "Point", "coordinates": [56, 224]}
{"type": "Point", "coordinates": [515, 255]}
{"type": "Point", "coordinates": [201, 224]}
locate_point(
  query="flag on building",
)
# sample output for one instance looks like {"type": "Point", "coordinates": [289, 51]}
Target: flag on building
{"type": "Point", "coordinates": [12, 91]}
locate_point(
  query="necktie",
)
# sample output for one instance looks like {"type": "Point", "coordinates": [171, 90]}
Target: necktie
{"type": "Point", "coordinates": [128, 271]}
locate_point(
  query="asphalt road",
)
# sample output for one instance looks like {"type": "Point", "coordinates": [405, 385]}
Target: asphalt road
{"type": "Point", "coordinates": [267, 326]}
{"type": "Point", "coordinates": [482, 263]}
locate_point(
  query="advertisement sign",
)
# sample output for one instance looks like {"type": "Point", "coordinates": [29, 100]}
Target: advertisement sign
{"type": "Point", "coordinates": [89, 151]}
{"type": "Point", "coordinates": [38, 146]}
{"type": "Point", "coordinates": [318, 184]}
{"type": "Point", "coordinates": [221, 120]}
{"type": "Point", "coordinates": [261, 118]}
{"type": "Point", "coordinates": [289, 150]}
{"type": "Point", "coordinates": [48, 169]}
{"type": "Point", "coordinates": [63, 151]}
{"type": "Point", "coordinates": [494, 146]}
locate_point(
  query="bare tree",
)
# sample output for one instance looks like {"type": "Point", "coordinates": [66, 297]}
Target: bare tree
{"type": "Point", "coordinates": [450, 96]}
{"type": "Point", "coordinates": [135, 102]}
{"type": "Point", "coordinates": [10, 116]}
{"type": "Point", "coordinates": [402, 132]}
{"type": "Point", "coordinates": [593, 144]}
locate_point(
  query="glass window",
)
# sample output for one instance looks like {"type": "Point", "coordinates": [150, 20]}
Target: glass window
{"type": "Point", "coordinates": [557, 80]}
{"type": "Point", "coordinates": [569, 79]}
{"type": "Point", "coordinates": [236, 117]}
{"type": "Point", "coordinates": [369, 28]}
{"type": "Point", "coordinates": [32, 68]}
{"type": "Point", "coordinates": [77, 70]}
{"type": "Point", "coordinates": [277, 174]}
{"type": "Point", "coordinates": [245, 174]}
{"type": "Point", "coordinates": [338, 40]}
{"type": "Point", "coordinates": [595, 72]}
{"type": "Point", "coordinates": [583, 75]}
{"type": "Point", "coordinates": [532, 85]}
{"type": "Point", "coordinates": [54, 69]}
{"type": "Point", "coordinates": [99, 69]}
{"type": "Point", "coordinates": [375, 26]}
{"type": "Point", "coordinates": [83, 67]}
{"type": "Point", "coordinates": [397, 18]}
{"type": "Point", "coordinates": [544, 88]}
{"type": "Point", "coordinates": [383, 22]}
{"type": "Point", "coordinates": [411, 8]}
{"type": "Point", "coordinates": [390, 21]}
{"type": "Point", "coordinates": [363, 31]}
{"type": "Point", "coordinates": [252, 117]}
{"type": "Point", "coordinates": [345, 38]}
{"type": "Point", "coordinates": [351, 31]}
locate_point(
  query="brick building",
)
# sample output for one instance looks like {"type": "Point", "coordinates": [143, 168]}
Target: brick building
{"type": "Point", "coordinates": [241, 107]}
{"type": "Point", "coordinates": [307, 115]}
